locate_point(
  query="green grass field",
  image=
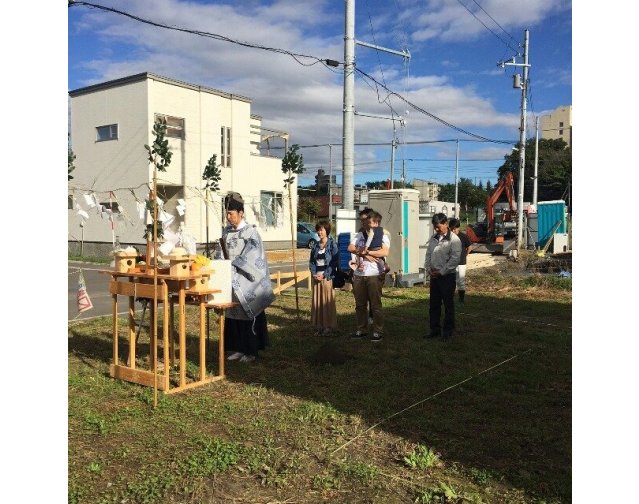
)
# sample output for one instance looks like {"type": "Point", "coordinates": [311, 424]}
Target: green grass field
{"type": "Point", "coordinates": [485, 417]}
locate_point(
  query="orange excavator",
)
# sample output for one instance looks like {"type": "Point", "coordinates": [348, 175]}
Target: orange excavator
{"type": "Point", "coordinates": [491, 234]}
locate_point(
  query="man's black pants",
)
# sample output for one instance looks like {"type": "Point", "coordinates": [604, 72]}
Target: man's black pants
{"type": "Point", "coordinates": [442, 290]}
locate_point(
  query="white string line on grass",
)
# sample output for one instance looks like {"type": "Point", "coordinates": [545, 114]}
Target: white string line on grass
{"type": "Point", "coordinates": [537, 322]}
{"type": "Point", "coordinates": [429, 398]}
{"type": "Point", "coordinates": [86, 319]}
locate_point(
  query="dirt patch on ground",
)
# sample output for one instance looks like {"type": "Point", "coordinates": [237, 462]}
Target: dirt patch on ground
{"type": "Point", "coordinates": [474, 261]}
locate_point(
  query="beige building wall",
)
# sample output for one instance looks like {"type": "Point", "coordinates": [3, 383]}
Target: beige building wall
{"type": "Point", "coordinates": [558, 124]}
{"type": "Point", "coordinates": [121, 165]}
{"type": "Point", "coordinates": [101, 167]}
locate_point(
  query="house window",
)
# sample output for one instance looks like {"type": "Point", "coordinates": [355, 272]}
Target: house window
{"type": "Point", "coordinates": [109, 132]}
{"type": "Point", "coordinates": [174, 126]}
{"type": "Point", "coordinates": [70, 202]}
{"type": "Point", "coordinates": [271, 207]}
{"type": "Point", "coordinates": [561, 125]}
{"type": "Point", "coordinates": [225, 146]}
{"type": "Point", "coordinates": [111, 205]}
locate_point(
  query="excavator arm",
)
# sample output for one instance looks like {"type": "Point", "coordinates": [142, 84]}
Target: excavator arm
{"type": "Point", "coordinates": [506, 183]}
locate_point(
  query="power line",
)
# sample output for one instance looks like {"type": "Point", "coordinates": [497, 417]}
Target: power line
{"type": "Point", "coordinates": [215, 36]}
{"type": "Point", "coordinates": [295, 56]}
{"type": "Point", "coordinates": [429, 114]}
{"type": "Point", "coordinates": [416, 142]}
{"type": "Point", "coordinates": [486, 26]}
{"type": "Point", "coordinates": [493, 19]}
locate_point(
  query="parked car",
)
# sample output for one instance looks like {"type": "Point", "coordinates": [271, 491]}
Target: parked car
{"type": "Point", "coordinates": [306, 235]}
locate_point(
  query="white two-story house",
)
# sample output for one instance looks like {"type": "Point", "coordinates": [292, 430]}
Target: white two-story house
{"type": "Point", "coordinates": [110, 124]}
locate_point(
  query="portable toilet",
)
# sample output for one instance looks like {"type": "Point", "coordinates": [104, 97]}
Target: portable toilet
{"type": "Point", "coordinates": [400, 219]}
{"type": "Point", "coordinates": [343, 240]}
{"type": "Point", "coordinates": [548, 214]}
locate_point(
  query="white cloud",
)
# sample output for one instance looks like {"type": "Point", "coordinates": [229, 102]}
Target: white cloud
{"type": "Point", "coordinates": [448, 20]}
{"type": "Point", "coordinates": [303, 100]}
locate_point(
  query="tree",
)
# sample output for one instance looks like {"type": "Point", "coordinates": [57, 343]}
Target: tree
{"type": "Point", "coordinates": [212, 175]}
{"type": "Point", "coordinates": [554, 170]}
{"type": "Point", "coordinates": [468, 194]}
{"type": "Point", "coordinates": [292, 164]}
{"type": "Point", "coordinates": [383, 184]}
{"type": "Point", "coordinates": [71, 165]}
{"type": "Point", "coordinates": [446, 192]}
{"type": "Point", "coordinates": [308, 207]}
{"type": "Point", "coordinates": [160, 157]}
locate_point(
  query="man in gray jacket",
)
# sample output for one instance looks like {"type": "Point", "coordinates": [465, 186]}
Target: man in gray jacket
{"type": "Point", "coordinates": [442, 257]}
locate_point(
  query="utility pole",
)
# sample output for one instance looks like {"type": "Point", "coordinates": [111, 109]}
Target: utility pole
{"type": "Point", "coordinates": [457, 181]}
{"type": "Point", "coordinates": [392, 167]}
{"type": "Point", "coordinates": [534, 199]}
{"type": "Point", "coordinates": [402, 122]}
{"type": "Point", "coordinates": [519, 82]}
{"type": "Point", "coordinates": [330, 184]}
{"type": "Point", "coordinates": [403, 179]}
{"type": "Point", "coordinates": [348, 129]}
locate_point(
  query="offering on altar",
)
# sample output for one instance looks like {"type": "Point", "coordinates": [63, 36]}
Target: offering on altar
{"type": "Point", "coordinates": [125, 259]}
{"type": "Point", "coordinates": [179, 265]}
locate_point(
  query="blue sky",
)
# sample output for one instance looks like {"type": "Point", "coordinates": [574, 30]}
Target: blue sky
{"type": "Point", "coordinates": [452, 74]}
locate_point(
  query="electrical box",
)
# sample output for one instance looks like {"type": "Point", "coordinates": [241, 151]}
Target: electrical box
{"type": "Point", "coordinates": [347, 221]}
{"type": "Point", "coordinates": [560, 243]}
{"type": "Point", "coordinates": [400, 219]}
{"type": "Point", "coordinates": [425, 231]}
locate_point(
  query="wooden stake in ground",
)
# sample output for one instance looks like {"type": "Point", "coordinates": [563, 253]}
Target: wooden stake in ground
{"type": "Point", "coordinates": [293, 164]}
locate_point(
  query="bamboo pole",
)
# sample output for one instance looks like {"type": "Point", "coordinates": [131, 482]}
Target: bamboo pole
{"type": "Point", "coordinates": [290, 207]}
{"type": "Point", "coordinates": [149, 238]}
{"type": "Point", "coordinates": [155, 288]}
{"type": "Point", "coordinates": [206, 204]}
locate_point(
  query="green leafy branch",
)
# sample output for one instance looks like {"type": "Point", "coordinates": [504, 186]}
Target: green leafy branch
{"type": "Point", "coordinates": [292, 164]}
{"type": "Point", "coordinates": [212, 174]}
{"type": "Point", "coordinates": [71, 165]}
{"type": "Point", "coordinates": [160, 154]}
{"type": "Point", "coordinates": [148, 232]}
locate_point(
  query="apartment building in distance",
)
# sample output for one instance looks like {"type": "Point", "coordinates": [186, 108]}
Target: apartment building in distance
{"type": "Point", "coordinates": [110, 124]}
{"type": "Point", "coordinates": [427, 190]}
{"type": "Point", "coordinates": [557, 124]}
